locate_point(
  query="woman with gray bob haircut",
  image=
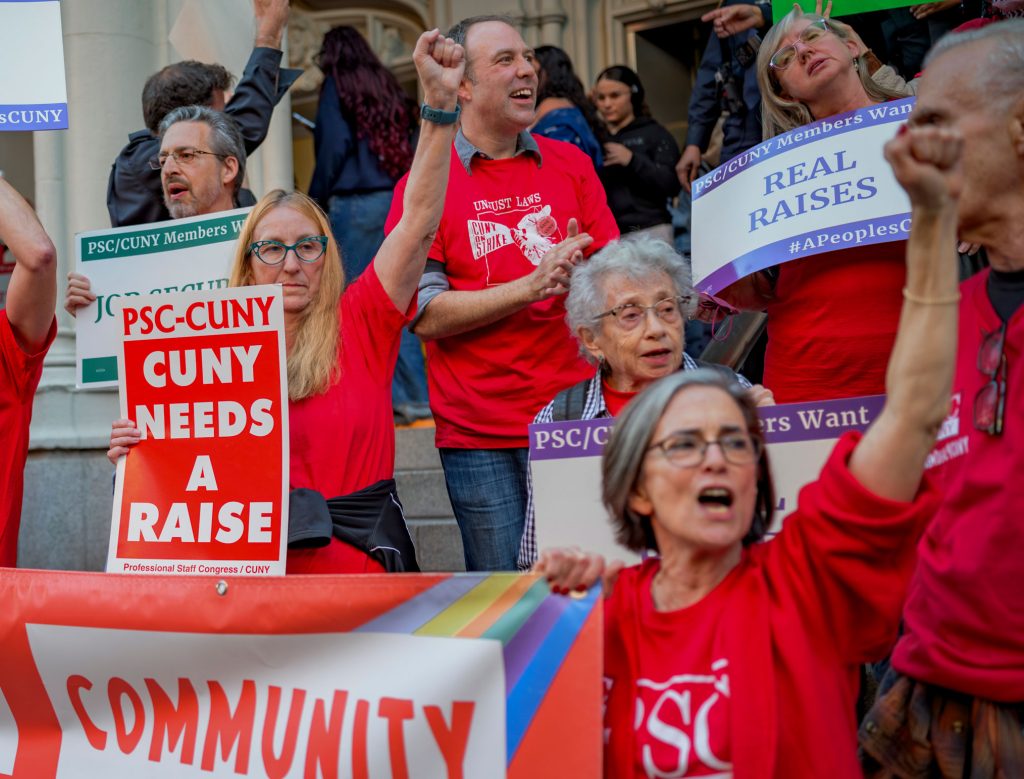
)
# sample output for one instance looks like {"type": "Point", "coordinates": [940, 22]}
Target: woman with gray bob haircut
{"type": "Point", "coordinates": [627, 306]}
{"type": "Point", "coordinates": [728, 657]}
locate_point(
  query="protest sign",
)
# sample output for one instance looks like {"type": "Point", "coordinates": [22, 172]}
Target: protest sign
{"type": "Point", "coordinates": [33, 90]}
{"type": "Point", "coordinates": [819, 188]}
{"type": "Point", "coordinates": [565, 464]}
{"type": "Point", "coordinates": [205, 491]}
{"type": "Point", "coordinates": [418, 676]}
{"type": "Point", "coordinates": [178, 255]}
{"type": "Point", "coordinates": [839, 7]}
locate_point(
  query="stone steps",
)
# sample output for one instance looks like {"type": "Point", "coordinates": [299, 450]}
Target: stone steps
{"type": "Point", "coordinates": [68, 495]}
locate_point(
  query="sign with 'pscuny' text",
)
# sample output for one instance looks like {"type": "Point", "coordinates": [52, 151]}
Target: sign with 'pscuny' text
{"type": "Point", "coordinates": [33, 89]}
{"type": "Point", "coordinates": [205, 491]}
{"type": "Point", "coordinates": [819, 188]}
{"type": "Point", "coordinates": [180, 255]}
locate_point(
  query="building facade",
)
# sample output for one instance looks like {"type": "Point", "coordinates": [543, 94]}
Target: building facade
{"type": "Point", "coordinates": [112, 46]}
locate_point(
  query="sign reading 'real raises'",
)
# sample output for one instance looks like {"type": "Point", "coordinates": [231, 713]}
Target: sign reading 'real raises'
{"type": "Point", "coordinates": [819, 188]}
{"type": "Point", "coordinates": [204, 379]}
{"type": "Point", "coordinates": [33, 90]}
{"type": "Point", "coordinates": [178, 255]}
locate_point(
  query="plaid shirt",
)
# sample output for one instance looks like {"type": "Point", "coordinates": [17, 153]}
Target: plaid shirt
{"type": "Point", "coordinates": [593, 408]}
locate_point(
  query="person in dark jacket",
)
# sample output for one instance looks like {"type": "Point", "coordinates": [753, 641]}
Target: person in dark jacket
{"type": "Point", "coordinates": [726, 80]}
{"type": "Point", "coordinates": [564, 112]}
{"type": "Point", "coordinates": [134, 192]}
{"type": "Point", "coordinates": [639, 173]}
{"type": "Point", "coordinates": [365, 126]}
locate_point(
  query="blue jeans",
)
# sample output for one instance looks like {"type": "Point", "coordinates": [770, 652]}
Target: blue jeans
{"type": "Point", "coordinates": [358, 225]}
{"type": "Point", "coordinates": [487, 488]}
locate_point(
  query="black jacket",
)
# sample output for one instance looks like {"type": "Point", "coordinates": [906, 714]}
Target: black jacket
{"type": "Point", "coordinates": [134, 192]}
{"type": "Point", "coordinates": [742, 129]}
{"type": "Point", "coordinates": [638, 192]}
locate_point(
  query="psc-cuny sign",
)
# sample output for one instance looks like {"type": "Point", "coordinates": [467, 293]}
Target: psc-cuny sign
{"type": "Point", "coordinates": [33, 90]}
{"type": "Point", "coordinates": [205, 491]}
{"type": "Point", "coordinates": [121, 263]}
{"type": "Point", "coordinates": [819, 188]}
{"type": "Point", "coordinates": [565, 463]}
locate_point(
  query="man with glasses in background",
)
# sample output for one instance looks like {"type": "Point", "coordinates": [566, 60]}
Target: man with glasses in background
{"type": "Point", "coordinates": [953, 703]}
{"type": "Point", "coordinates": [133, 191]}
{"type": "Point", "coordinates": [201, 161]}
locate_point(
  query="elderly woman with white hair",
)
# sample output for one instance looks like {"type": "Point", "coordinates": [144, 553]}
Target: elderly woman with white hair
{"type": "Point", "coordinates": [627, 306]}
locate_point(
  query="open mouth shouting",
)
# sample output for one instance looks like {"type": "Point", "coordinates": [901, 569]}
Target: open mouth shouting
{"type": "Point", "coordinates": [717, 500]}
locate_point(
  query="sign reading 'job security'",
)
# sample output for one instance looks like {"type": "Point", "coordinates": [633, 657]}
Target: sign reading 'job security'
{"type": "Point", "coordinates": [33, 92]}
{"type": "Point", "coordinates": [181, 255]}
{"type": "Point", "coordinates": [820, 188]}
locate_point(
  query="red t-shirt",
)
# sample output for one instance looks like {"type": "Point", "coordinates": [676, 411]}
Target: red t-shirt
{"type": "Point", "coordinates": [964, 617]}
{"type": "Point", "coordinates": [760, 678]}
{"type": "Point", "coordinates": [344, 439]}
{"type": "Point", "coordinates": [19, 377]}
{"type": "Point", "coordinates": [486, 385]}
{"type": "Point", "coordinates": [614, 400]}
{"type": "Point", "coordinates": [832, 323]}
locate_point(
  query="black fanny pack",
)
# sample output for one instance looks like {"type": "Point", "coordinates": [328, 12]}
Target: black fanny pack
{"type": "Point", "coordinates": [371, 519]}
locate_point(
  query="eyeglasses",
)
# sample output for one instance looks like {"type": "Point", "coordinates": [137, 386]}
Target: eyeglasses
{"type": "Point", "coordinates": [990, 402]}
{"type": "Point", "coordinates": [785, 56]}
{"type": "Point", "coordinates": [309, 249]}
{"type": "Point", "coordinates": [181, 156]}
{"type": "Point", "coordinates": [630, 315]}
{"type": "Point", "coordinates": [687, 450]}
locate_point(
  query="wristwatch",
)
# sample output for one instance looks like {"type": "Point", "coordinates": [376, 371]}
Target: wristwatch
{"type": "Point", "coordinates": [438, 116]}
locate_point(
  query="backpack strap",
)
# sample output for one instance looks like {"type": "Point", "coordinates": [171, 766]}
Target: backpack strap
{"type": "Point", "coordinates": [570, 402]}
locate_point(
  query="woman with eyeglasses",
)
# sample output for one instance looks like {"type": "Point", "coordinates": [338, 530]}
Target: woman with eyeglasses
{"type": "Point", "coordinates": [627, 307]}
{"type": "Point", "coordinates": [727, 657]}
{"type": "Point", "coordinates": [831, 317]}
{"type": "Point", "coordinates": [342, 346]}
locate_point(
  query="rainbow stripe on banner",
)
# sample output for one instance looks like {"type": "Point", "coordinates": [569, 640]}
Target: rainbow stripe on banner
{"type": "Point", "coordinates": [387, 675]}
{"type": "Point", "coordinates": [536, 629]}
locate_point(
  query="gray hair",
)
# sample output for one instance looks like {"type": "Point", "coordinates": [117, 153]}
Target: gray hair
{"type": "Point", "coordinates": [637, 258]}
{"type": "Point", "coordinates": [1002, 75]}
{"type": "Point", "coordinates": [623, 457]}
{"type": "Point", "coordinates": [225, 137]}
{"type": "Point", "coordinates": [778, 115]}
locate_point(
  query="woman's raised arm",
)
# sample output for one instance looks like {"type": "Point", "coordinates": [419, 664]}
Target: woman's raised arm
{"type": "Point", "coordinates": [890, 459]}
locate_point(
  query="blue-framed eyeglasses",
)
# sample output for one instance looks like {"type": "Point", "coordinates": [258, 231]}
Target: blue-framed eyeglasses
{"type": "Point", "coordinates": [308, 249]}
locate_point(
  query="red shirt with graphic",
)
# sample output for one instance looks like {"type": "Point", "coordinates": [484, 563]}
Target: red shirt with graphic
{"type": "Point", "coordinates": [486, 385]}
{"type": "Point", "coordinates": [964, 617]}
{"type": "Point", "coordinates": [19, 377]}
{"type": "Point", "coordinates": [760, 678]}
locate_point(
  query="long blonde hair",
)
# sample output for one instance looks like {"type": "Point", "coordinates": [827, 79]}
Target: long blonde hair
{"type": "Point", "coordinates": [779, 115]}
{"type": "Point", "coordinates": [313, 363]}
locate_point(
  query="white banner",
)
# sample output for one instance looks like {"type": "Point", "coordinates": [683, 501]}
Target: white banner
{"type": "Point", "coordinates": [819, 188]}
{"type": "Point", "coordinates": [193, 704]}
{"type": "Point", "coordinates": [179, 255]}
{"type": "Point", "coordinates": [33, 90]}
